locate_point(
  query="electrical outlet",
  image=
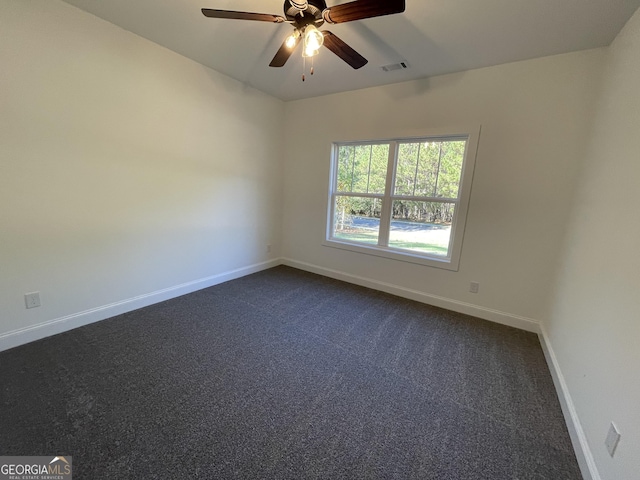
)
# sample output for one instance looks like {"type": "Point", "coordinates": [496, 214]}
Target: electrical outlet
{"type": "Point", "coordinates": [268, 248]}
{"type": "Point", "coordinates": [32, 299]}
{"type": "Point", "coordinates": [613, 437]}
{"type": "Point", "coordinates": [474, 287]}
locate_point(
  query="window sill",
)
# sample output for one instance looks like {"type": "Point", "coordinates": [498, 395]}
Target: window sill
{"type": "Point", "coordinates": [394, 254]}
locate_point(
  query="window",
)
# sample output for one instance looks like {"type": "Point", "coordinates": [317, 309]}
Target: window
{"type": "Point", "coordinates": [404, 198]}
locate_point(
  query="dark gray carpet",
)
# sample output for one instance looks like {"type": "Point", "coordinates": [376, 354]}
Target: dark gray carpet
{"type": "Point", "coordinates": [289, 375]}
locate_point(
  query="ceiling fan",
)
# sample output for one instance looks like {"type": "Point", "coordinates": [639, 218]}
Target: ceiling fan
{"type": "Point", "coordinates": [307, 15]}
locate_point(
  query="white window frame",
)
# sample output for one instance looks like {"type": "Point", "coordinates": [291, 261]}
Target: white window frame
{"type": "Point", "coordinates": [451, 262]}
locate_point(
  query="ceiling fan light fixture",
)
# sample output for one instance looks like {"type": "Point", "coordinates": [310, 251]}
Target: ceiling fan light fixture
{"type": "Point", "coordinates": [313, 40]}
{"type": "Point", "coordinates": [306, 15]}
{"type": "Point", "coordinates": [292, 40]}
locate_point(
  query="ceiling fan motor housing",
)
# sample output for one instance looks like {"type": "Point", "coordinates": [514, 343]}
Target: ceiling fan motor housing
{"type": "Point", "coordinates": [303, 13]}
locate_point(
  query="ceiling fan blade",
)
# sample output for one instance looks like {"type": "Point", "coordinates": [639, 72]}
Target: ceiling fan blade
{"type": "Point", "coordinates": [261, 17]}
{"type": "Point", "coordinates": [344, 51]}
{"type": "Point", "coordinates": [361, 9]}
{"type": "Point", "coordinates": [283, 54]}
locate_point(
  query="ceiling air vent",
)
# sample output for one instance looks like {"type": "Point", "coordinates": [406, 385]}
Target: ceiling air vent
{"type": "Point", "coordinates": [395, 66]}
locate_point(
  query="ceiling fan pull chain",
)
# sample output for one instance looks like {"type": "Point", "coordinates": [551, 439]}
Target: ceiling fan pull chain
{"type": "Point", "coordinates": [312, 65]}
{"type": "Point", "coordinates": [304, 66]}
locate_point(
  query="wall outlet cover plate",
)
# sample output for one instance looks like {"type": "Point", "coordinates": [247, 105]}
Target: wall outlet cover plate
{"type": "Point", "coordinates": [32, 299]}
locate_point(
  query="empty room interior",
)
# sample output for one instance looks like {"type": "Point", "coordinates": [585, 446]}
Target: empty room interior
{"type": "Point", "coordinates": [410, 254]}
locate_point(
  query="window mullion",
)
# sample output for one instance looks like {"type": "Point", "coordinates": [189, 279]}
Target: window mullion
{"type": "Point", "coordinates": [362, 195]}
{"type": "Point", "coordinates": [386, 211]}
{"type": "Point", "coordinates": [369, 170]}
{"type": "Point", "coordinates": [417, 198]}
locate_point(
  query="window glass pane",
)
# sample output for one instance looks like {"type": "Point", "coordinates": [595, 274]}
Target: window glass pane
{"type": "Point", "coordinates": [345, 163]}
{"type": "Point", "coordinates": [451, 158]}
{"type": "Point", "coordinates": [378, 172]}
{"type": "Point", "coordinates": [429, 169]}
{"type": "Point", "coordinates": [428, 162]}
{"type": "Point", "coordinates": [362, 168]}
{"type": "Point", "coordinates": [357, 219]}
{"type": "Point", "coordinates": [406, 168]}
{"type": "Point", "coordinates": [422, 227]}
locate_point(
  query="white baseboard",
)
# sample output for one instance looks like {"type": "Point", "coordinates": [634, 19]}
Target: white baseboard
{"type": "Point", "coordinates": [580, 445]}
{"type": "Point", "coordinates": [45, 329]}
{"type": "Point", "coordinates": [52, 327]}
{"type": "Point", "coordinates": [578, 438]}
{"type": "Point", "coordinates": [496, 316]}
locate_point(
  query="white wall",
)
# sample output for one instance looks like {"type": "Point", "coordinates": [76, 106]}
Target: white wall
{"type": "Point", "coordinates": [595, 321]}
{"type": "Point", "coordinates": [534, 115]}
{"type": "Point", "coordinates": [124, 168]}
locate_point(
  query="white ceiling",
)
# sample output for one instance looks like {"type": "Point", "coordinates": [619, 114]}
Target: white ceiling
{"type": "Point", "coordinates": [433, 36]}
